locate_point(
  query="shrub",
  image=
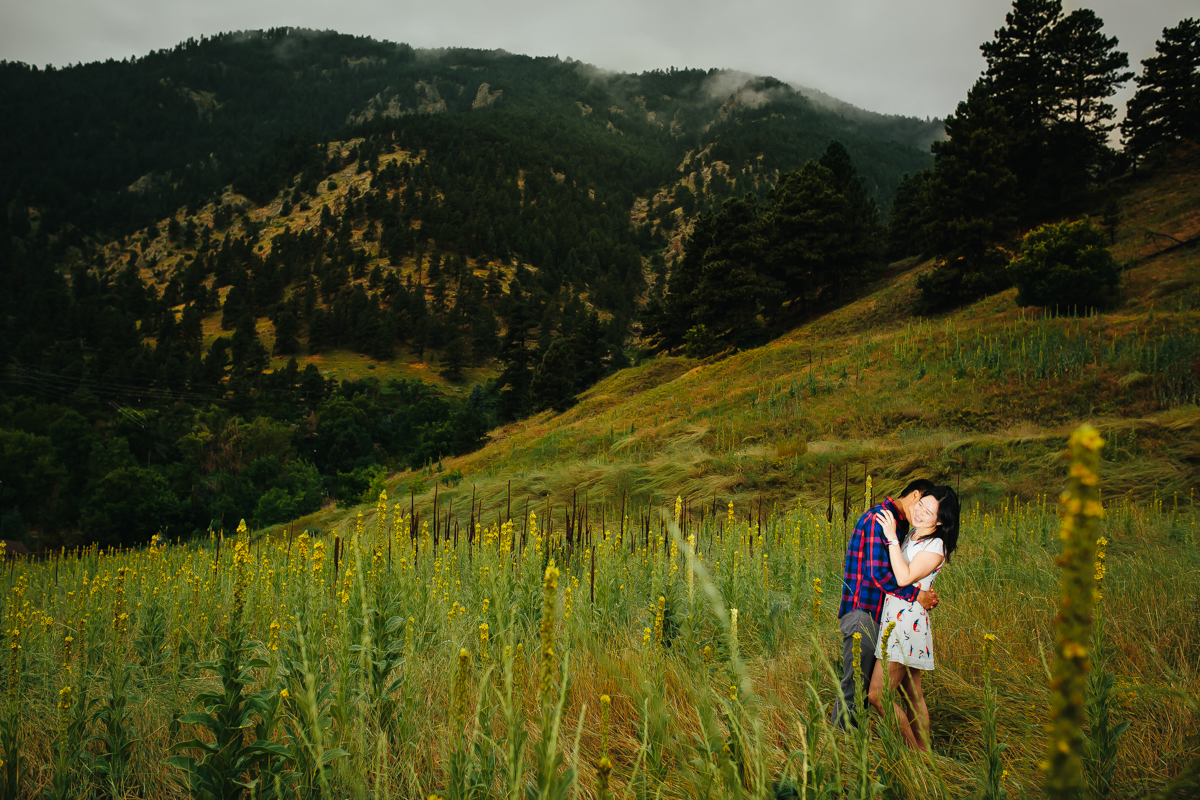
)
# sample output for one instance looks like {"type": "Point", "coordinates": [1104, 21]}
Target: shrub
{"type": "Point", "coordinates": [700, 343]}
{"type": "Point", "coordinates": [1065, 266]}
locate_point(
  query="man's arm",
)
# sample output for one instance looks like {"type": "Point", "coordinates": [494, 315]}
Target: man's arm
{"type": "Point", "coordinates": [880, 568]}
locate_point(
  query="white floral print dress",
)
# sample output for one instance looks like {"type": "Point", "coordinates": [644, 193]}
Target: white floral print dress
{"type": "Point", "coordinates": [911, 642]}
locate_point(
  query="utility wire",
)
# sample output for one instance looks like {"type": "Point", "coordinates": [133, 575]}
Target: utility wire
{"type": "Point", "coordinates": [66, 384]}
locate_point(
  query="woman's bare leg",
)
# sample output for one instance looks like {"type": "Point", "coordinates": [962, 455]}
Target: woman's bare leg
{"type": "Point", "coordinates": [875, 694]}
{"type": "Point", "coordinates": [897, 677]}
{"type": "Point", "coordinates": [907, 694]}
{"type": "Point", "coordinates": [909, 703]}
{"type": "Point", "coordinates": [920, 710]}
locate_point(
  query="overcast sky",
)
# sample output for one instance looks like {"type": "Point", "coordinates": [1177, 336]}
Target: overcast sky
{"type": "Point", "coordinates": [913, 57]}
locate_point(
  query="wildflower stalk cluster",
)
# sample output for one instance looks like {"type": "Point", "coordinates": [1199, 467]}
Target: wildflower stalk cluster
{"type": "Point", "coordinates": [394, 659]}
{"type": "Point", "coordinates": [994, 773]}
{"type": "Point", "coordinates": [1104, 726]}
{"type": "Point", "coordinates": [1082, 511]}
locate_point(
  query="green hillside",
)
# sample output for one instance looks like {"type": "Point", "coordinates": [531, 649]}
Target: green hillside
{"type": "Point", "coordinates": [982, 397]}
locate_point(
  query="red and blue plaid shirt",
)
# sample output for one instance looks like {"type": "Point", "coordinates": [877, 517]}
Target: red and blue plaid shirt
{"type": "Point", "coordinates": [868, 571]}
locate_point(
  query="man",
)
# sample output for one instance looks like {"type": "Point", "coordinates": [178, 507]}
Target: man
{"type": "Point", "coordinates": [868, 578]}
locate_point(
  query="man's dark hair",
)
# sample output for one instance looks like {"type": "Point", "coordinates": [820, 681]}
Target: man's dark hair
{"type": "Point", "coordinates": [919, 485]}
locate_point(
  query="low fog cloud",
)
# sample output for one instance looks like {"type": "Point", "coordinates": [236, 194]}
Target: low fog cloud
{"type": "Point", "coordinates": [723, 84]}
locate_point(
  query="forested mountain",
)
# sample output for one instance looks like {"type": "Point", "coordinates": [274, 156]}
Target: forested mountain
{"type": "Point", "coordinates": [177, 125]}
{"type": "Point", "coordinates": [192, 238]}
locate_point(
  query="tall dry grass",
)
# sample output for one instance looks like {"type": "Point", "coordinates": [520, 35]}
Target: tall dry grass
{"type": "Point", "coordinates": [695, 710]}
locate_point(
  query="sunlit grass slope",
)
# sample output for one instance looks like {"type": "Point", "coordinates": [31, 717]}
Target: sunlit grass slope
{"type": "Point", "coordinates": [981, 398]}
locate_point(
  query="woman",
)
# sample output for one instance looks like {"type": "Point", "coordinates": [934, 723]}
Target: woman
{"type": "Point", "coordinates": [932, 537]}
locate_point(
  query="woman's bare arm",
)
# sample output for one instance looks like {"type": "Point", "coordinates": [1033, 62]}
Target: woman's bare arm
{"type": "Point", "coordinates": [906, 574]}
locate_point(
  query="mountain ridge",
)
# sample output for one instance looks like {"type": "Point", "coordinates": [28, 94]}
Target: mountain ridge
{"type": "Point", "coordinates": [189, 98]}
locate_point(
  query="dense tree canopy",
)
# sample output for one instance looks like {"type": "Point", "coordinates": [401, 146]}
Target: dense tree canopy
{"type": "Point", "coordinates": [1031, 135]}
{"type": "Point", "coordinates": [753, 268]}
{"type": "Point", "coordinates": [972, 202]}
{"type": "Point", "coordinates": [1166, 107]}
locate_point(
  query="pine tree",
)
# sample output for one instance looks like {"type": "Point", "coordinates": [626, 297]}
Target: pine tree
{"type": "Point", "coordinates": [1089, 69]}
{"type": "Point", "coordinates": [972, 195]}
{"type": "Point", "coordinates": [589, 351]}
{"type": "Point", "coordinates": [216, 362]}
{"type": "Point", "coordinates": [734, 286]}
{"type": "Point", "coordinates": [249, 357]}
{"type": "Point", "coordinates": [818, 238]}
{"type": "Point", "coordinates": [438, 304]}
{"type": "Point", "coordinates": [513, 383]}
{"type": "Point", "coordinates": [318, 335]}
{"type": "Point", "coordinates": [553, 384]}
{"type": "Point", "coordinates": [383, 346]}
{"type": "Point", "coordinates": [286, 328]}
{"type": "Point", "coordinates": [191, 329]}
{"type": "Point", "coordinates": [847, 181]}
{"type": "Point", "coordinates": [493, 288]}
{"type": "Point", "coordinates": [665, 322]}
{"type": "Point", "coordinates": [1052, 76]}
{"type": "Point", "coordinates": [234, 309]}
{"type": "Point", "coordinates": [906, 221]}
{"type": "Point", "coordinates": [368, 329]}
{"type": "Point", "coordinates": [312, 386]}
{"type": "Point", "coordinates": [1166, 106]}
{"type": "Point", "coordinates": [454, 359]}
{"type": "Point", "coordinates": [167, 328]}
{"type": "Point", "coordinates": [1023, 81]}
{"type": "Point", "coordinates": [485, 335]}
{"type": "Point", "coordinates": [291, 374]}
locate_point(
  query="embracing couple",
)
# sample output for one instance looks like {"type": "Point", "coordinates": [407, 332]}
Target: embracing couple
{"type": "Point", "coordinates": [896, 550]}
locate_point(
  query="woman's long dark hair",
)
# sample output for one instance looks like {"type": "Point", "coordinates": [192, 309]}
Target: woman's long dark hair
{"type": "Point", "coordinates": [947, 518]}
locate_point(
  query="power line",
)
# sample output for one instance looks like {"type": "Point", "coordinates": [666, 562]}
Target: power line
{"type": "Point", "coordinates": [57, 383]}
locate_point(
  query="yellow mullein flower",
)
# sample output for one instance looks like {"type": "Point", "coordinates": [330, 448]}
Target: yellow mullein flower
{"type": "Point", "coordinates": [549, 595]}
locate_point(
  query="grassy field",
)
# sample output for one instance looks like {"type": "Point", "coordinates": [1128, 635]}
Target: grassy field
{"type": "Point", "coordinates": [407, 658]}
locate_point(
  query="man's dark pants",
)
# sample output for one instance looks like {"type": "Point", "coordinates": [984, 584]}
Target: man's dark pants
{"type": "Point", "coordinates": [856, 621]}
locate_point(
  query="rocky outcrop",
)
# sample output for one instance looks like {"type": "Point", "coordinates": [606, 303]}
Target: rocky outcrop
{"type": "Point", "coordinates": [378, 106]}
{"type": "Point", "coordinates": [746, 97]}
{"type": "Point", "coordinates": [386, 104]}
{"type": "Point", "coordinates": [433, 102]}
{"type": "Point", "coordinates": [206, 103]}
{"type": "Point", "coordinates": [148, 182]}
{"type": "Point", "coordinates": [365, 61]}
{"type": "Point", "coordinates": [484, 97]}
